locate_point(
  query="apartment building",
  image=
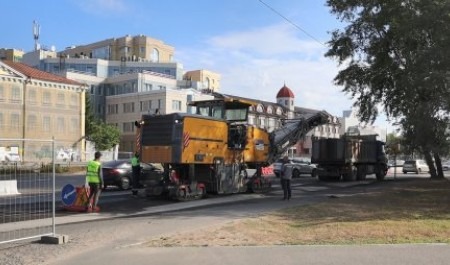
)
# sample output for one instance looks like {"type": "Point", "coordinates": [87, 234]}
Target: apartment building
{"type": "Point", "coordinates": [11, 54]}
{"type": "Point", "coordinates": [39, 105]}
{"type": "Point", "coordinates": [128, 48]}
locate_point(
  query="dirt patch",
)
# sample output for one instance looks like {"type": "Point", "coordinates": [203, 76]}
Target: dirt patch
{"type": "Point", "coordinates": [407, 212]}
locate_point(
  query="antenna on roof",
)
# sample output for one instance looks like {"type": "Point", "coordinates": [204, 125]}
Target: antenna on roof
{"type": "Point", "coordinates": [36, 32]}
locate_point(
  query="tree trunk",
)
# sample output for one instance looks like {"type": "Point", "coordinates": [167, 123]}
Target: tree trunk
{"type": "Point", "coordinates": [438, 161]}
{"type": "Point", "coordinates": [430, 163]}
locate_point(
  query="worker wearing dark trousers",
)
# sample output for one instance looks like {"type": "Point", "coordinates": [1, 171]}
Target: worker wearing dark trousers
{"type": "Point", "coordinates": [286, 176]}
{"type": "Point", "coordinates": [94, 180]}
{"type": "Point", "coordinates": [136, 171]}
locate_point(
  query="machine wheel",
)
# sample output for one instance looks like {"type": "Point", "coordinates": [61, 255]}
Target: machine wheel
{"type": "Point", "coordinates": [380, 175]}
{"type": "Point", "coordinates": [404, 172]}
{"type": "Point", "coordinates": [314, 173]}
{"type": "Point", "coordinates": [124, 183]}
{"type": "Point", "coordinates": [419, 171]}
{"type": "Point", "coordinates": [296, 173]}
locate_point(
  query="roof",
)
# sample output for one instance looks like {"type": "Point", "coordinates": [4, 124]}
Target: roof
{"type": "Point", "coordinates": [38, 74]}
{"type": "Point", "coordinates": [285, 92]}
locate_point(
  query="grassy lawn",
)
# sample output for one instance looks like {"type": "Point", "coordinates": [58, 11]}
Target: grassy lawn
{"type": "Point", "coordinates": [398, 212]}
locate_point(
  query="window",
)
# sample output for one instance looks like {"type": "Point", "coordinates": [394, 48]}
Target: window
{"type": "Point", "coordinates": [32, 122]}
{"type": "Point", "coordinates": [269, 110]}
{"type": "Point", "coordinates": [32, 96]}
{"type": "Point", "coordinates": [74, 127]}
{"type": "Point", "coordinates": [128, 127]}
{"type": "Point", "coordinates": [2, 94]}
{"type": "Point", "coordinates": [155, 55]}
{"type": "Point", "coordinates": [113, 108]}
{"type": "Point", "coordinates": [259, 108]}
{"type": "Point", "coordinates": [176, 104]}
{"type": "Point", "coordinates": [15, 121]}
{"type": "Point", "coordinates": [15, 95]}
{"type": "Point", "coordinates": [60, 124]}
{"type": "Point", "coordinates": [46, 124]}
{"type": "Point", "coordinates": [73, 101]}
{"type": "Point", "coordinates": [46, 98]}
{"type": "Point", "coordinates": [142, 50]}
{"type": "Point", "coordinates": [128, 107]}
{"type": "Point", "coordinates": [61, 100]}
{"type": "Point", "coordinates": [145, 105]}
{"type": "Point", "coordinates": [208, 83]}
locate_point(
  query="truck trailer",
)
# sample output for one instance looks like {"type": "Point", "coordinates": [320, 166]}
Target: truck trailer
{"type": "Point", "coordinates": [350, 158]}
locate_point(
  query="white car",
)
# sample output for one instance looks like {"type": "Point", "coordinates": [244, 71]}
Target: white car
{"type": "Point", "coordinates": [10, 158]}
{"type": "Point", "coordinates": [299, 167]}
{"type": "Point", "coordinates": [416, 166]}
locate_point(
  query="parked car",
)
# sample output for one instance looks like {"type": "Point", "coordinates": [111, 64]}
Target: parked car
{"type": "Point", "coordinates": [446, 166]}
{"type": "Point", "coordinates": [299, 167]}
{"type": "Point", "coordinates": [118, 173]}
{"type": "Point", "coordinates": [10, 158]}
{"type": "Point", "coordinates": [416, 166]}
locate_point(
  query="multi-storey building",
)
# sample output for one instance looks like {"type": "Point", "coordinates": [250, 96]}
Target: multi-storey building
{"type": "Point", "coordinates": [11, 54]}
{"type": "Point", "coordinates": [39, 105]}
{"type": "Point", "coordinates": [129, 48]}
{"type": "Point", "coordinates": [209, 79]}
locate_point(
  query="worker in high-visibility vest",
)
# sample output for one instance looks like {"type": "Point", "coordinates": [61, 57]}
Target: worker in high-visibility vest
{"type": "Point", "coordinates": [136, 171]}
{"type": "Point", "coordinates": [94, 180]}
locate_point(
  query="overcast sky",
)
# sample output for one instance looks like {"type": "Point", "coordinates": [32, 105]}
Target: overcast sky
{"type": "Point", "coordinates": [255, 50]}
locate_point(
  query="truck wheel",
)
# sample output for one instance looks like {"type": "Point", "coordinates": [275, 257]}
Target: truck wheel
{"type": "Point", "coordinates": [313, 173]}
{"type": "Point", "coordinates": [360, 173]}
{"type": "Point", "coordinates": [295, 173]}
{"type": "Point", "coordinates": [380, 175]}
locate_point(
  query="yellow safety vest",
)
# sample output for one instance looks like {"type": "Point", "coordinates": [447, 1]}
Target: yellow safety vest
{"type": "Point", "coordinates": [92, 175]}
{"type": "Point", "coordinates": [134, 161]}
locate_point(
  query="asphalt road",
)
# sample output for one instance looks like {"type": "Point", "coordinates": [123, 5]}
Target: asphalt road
{"type": "Point", "coordinates": [121, 240]}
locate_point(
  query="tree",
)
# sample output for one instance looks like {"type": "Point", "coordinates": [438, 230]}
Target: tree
{"type": "Point", "coordinates": [394, 54]}
{"type": "Point", "coordinates": [104, 136]}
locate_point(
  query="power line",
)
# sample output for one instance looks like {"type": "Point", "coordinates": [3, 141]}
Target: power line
{"type": "Point", "coordinates": [290, 22]}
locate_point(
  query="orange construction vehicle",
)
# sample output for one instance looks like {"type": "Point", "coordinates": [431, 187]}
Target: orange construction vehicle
{"type": "Point", "coordinates": [208, 152]}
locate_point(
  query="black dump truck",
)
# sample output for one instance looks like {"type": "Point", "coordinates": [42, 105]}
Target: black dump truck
{"type": "Point", "coordinates": [350, 158]}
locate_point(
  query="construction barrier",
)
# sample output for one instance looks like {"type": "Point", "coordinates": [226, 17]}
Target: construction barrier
{"type": "Point", "coordinates": [27, 191]}
{"type": "Point", "coordinates": [75, 199]}
{"type": "Point", "coordinates": [8, 187]}
{"type": "Point", "coordinates": [267, 171]}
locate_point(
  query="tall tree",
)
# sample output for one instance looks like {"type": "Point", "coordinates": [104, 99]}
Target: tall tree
{"type": "Point", "coordinates": [394, 54]}
{"type": "Point", "coordinates": [104, 136]}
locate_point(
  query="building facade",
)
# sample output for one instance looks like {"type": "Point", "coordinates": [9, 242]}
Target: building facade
{"type": "Point", "coordinates": [210, 81]}
{"type": "Point", "coordinates": [350, 124]}
{"type": "Point", "coordinates": [40, 105]}
{"type": "Point", "coordinates": [129, 48]}
{"type": "Point", "coordinates": [11, 54]}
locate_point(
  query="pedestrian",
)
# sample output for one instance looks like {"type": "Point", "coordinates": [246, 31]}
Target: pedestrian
{"type": "Point", "coordinates": [136, 171]}
{"type": "Point", "coordinates": [286, 176]}
{"type": "Point", "coordinates": [94, 179]}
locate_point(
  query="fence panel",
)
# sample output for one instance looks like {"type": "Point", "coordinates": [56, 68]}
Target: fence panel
{"type": "Point", "coordinates": [27, 190]}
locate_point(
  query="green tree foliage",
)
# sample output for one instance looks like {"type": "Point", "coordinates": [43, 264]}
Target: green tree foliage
{"type": "Point", "coordinates": [104, 136]}
{"type": "Point", "coordinates": [395, 54]}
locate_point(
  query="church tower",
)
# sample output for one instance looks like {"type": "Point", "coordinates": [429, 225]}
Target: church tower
{"type": "Point", "coordinates": [285, 98]}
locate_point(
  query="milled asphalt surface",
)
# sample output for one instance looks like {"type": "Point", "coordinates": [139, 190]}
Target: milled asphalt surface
{"type": "Point", "coordinates": [160, 220]}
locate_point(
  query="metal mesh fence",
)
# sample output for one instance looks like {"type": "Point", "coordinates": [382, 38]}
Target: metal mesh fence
{"type": "Point", "coordinates": [27, 192]}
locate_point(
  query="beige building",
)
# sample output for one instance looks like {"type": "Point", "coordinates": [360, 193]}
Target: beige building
{"type": "Point", "coordinates": [129, 48]}
{"type": "Point", "coordinates": [39, 105]}
{"type": "Point", "coordinates": [209, 80]}
{"type": "Point", "coordinates": [11, 54]}
{"type": "Point", "coordinates": [146, 93]}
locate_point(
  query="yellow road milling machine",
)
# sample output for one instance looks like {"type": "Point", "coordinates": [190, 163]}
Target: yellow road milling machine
{"type": "Point", "coordinates": [208, 152]}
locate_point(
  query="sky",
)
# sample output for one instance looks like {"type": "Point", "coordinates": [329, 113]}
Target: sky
{"type": "Point", "coordinates": [255, 50]}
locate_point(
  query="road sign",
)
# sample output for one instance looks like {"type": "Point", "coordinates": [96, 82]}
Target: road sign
{"type": "Point", "coordinates": [68, 194]}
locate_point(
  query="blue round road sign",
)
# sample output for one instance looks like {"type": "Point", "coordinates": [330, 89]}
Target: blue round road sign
{"type": "Point", "coordinates": [68, 194]}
